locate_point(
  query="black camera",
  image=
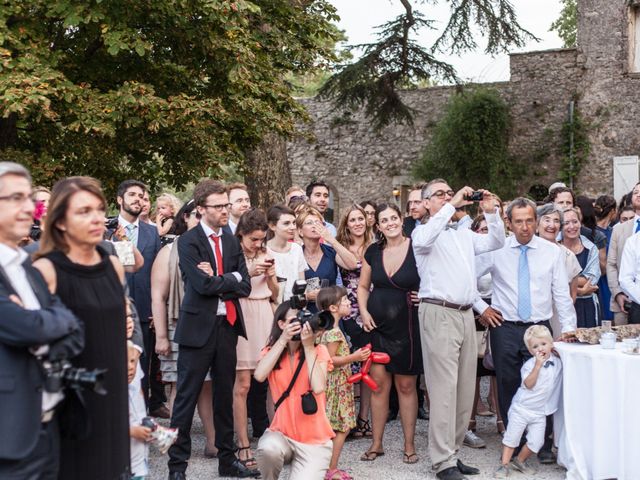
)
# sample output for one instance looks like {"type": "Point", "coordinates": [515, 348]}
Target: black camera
{"type": "Point", "coordinates": [111, 223]}
{"type": "Point", "coordinates": [475, 196]}
{"type": "Point", "coordinates": [36, 231]}
{"type": "Point", "coordinates": [60, 374]}
{"type": "Point", "coordinates": [317, 321]}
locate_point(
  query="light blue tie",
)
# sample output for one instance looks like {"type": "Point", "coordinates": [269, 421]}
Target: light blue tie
{"type": "Point", "coordinates": [132, 234]}
{"type": "Point", "coordinates": [637, 225]}
{"type": "Point", "coordinates": [524, 287]}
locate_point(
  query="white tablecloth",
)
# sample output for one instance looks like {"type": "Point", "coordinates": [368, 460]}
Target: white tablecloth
{"type": "Point", "coordinates": [597, 426]}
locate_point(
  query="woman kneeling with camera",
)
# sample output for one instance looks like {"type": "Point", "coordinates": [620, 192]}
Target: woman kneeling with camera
{"type": "Point", "coordinates": [300, 432]}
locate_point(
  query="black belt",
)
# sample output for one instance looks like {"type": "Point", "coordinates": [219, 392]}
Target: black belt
{"type": "Point", "coordinates": [525, 324]}
{"type": "Point", "coordinates": [444, 303]}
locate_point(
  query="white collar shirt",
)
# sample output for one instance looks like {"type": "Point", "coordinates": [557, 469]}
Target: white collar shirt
{"type": "Point", "coordinates": [445, 256]}
{"type": "Point", "coordinates": [11, 260]}
{"type": "Point", "coordinates": [629, 276]}
{"type": "Point", "coordinates": [232, 226]}
{"type": "Point", "coordinates": [543, 398]}
{"type": "Point", "coordinates": [208, 231]}
{"type": "Point", "coordinates": [548, 282]}
{"type": "Point", "coordinates": [125, 224]}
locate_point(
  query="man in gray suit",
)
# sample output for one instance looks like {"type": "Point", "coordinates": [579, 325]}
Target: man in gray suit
{"type": "Point", "coordinates": [33, 324]}
{"type": "Point", "coordinates": [621, 232]}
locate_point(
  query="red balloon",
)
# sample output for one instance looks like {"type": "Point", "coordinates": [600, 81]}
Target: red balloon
{"type": "Point", "coordinates": [375, 357]}
{"type": "Point", "coordinates": [371, 383]}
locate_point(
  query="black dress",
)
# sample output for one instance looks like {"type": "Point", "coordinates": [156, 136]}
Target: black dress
{"type": "Point", "coordinates": [95, 294]}
{"type": "Point", "coordinates": [397, 332]}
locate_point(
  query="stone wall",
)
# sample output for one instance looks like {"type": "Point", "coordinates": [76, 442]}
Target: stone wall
{"type": "Point", "coordinates": [362, 164]}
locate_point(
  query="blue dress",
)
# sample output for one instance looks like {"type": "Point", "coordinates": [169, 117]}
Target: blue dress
{"type": "Point", "coordinates": [603, 285]}
{"type": "Point", "coordinates": [327, 270]}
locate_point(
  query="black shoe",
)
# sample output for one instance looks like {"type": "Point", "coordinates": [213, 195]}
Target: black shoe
{"type": "Point", "coordinates": [423, 414]}
{"type": "Point", "coordinates": [177, 476]}
{"type": "Point", "coordinates": [546, 457]}
{"type": "Point", "coordinates": [466, 469]}
{"type": "Point", "coordinates": [238, 470]}
{"type": "Point", "coordinates": [451, 473]}
{"type": "Point", "coordinates": [393, 414]}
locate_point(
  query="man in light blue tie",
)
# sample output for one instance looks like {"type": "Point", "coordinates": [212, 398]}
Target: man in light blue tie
{"type": "Point", "coordinates": [529, 279]}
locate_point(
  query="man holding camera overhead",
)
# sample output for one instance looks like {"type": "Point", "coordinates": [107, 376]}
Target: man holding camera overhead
{"type": "Point", "coordinates": [215, 276]}
{"type": "Point", "coordinates": [446, 265]}
{"type": "Point", "coordinates": [34, 325]}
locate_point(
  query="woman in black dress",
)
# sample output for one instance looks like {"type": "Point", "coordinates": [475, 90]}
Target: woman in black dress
{"type": "Point", "coordinates": [90, 283]}
{"type": "Point", "coordinates": [390, 313]}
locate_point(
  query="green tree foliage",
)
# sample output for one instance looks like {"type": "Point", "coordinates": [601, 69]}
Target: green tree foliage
{"type": "Point", "coordinates": [397, 60]}
{"type": "Point", "coordinates": [566, 25]}
{"type": "Point", "coordinates": [469, 144]}
{"type": "Point", "coordinates": [165, 90]}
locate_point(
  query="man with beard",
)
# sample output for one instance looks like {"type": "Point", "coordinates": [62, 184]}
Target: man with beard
{"type": "Point", "coordinates": [318, 193]}
{"type": "Point", "coordinates": [417, 211]}
{"type": "Point", "coordinates": [215, 276]}
{"type": "Point", "coordinates": [130, 198]}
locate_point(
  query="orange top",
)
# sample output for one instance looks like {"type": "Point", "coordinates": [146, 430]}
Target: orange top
{"type": "Point", "coordinates": [289, 419]}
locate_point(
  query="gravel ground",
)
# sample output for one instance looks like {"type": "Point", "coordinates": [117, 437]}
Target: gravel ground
{"type": "Point", "coordinates": [389, 466]}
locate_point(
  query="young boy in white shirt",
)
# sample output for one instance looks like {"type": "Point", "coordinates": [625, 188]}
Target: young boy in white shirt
{"type": "Point", "coordinates": [536, 398]}
{"type": "Point", "coordinates": [139, 434]}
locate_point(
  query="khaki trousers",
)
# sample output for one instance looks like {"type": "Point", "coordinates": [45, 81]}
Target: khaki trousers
{"type": "Point", "coordinates": [308, 462]}
{"type": "Point", "coordinates": [450, 362]}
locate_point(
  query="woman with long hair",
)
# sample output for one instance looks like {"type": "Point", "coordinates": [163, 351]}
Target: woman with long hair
{"type": "Point", "coordinates": [355, 234]}
{"type": "Point", "coordinates": [301, 438]}
{"type": "Point", "coordinates": [167, 291]}
{"type": "Point", "coordinates": [322, 252]}
{"type": "Point", "coordinates": [256, 310]}
{"type": "Point", "coordinates": [90, 283]}
{"type": "Point", "coordinates": [386, 296]}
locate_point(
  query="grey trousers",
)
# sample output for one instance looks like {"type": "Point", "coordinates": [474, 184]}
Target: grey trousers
{"type": "Point", "coordinates": [450, 358]}
{"type": "Point", "coordinates": [308, 462]}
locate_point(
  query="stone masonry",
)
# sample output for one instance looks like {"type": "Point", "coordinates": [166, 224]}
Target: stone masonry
{"type": "Point", "coordinates": [361, 164]}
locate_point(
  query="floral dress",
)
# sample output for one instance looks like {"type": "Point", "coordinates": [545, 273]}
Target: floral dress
{"type": "Point", "coordinates": [341, 409]}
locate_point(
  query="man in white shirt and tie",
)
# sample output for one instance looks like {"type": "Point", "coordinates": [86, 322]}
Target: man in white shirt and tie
{"type": "Point", "coordinates": [529, 278]}
{"type": "Point", "coordinates": [446, 264]}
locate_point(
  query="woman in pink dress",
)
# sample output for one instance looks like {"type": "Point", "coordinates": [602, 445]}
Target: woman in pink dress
{"type": "Point", "coordinates": [258, 314]}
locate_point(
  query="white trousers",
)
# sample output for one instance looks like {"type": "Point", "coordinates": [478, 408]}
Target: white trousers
{"type": "Point", "coordinates": [308, 462]}
{"type": "Point", "coordinates": [521, 419]}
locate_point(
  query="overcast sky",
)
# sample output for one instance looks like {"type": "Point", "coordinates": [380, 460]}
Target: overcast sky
{"type": "Point", "coordinates": [359, 17]}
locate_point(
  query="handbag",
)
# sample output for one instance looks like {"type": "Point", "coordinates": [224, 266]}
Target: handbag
{"type": "Point", "coordinates": [487, 359]}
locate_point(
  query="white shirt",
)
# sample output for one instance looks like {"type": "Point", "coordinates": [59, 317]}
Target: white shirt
{"type": "Point", "coordinates": [445, 257]}
{"type": "Point", "coordinates": [548, 282]}
{"type": "Point", "coordinates": [11, 260]}
{"type": "Point", "coordinates": [137, 412]}
{"type": "Point", "coordinates": [222, 308]}
{"type": "Point", "coordinates": [233, 226]}
{"type": "Point", "coordinates": [544, 397]}
{"type": "Point", "coordinates": [289, 265]}
{"type": "Point", "coordinates": [126, 223]}
{"type": "Point", "coordinates": [629, 276]}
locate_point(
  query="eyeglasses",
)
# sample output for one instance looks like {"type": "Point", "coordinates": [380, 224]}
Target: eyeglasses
{"type": "Point", "coordinates": [442, 193]}
{"type": "Point", "coordinates": [17, 198]}
{"type": "Point", "coordinates": [218, 208]}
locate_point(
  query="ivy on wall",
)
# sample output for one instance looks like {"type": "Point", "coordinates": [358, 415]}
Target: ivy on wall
{"type": "Point", "coordinates": [575, 147]}
{"type": "Point", "coordinates": [469, 145]}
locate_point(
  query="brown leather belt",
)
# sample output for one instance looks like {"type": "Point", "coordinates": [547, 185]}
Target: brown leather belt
{"type": "Point", "coordinates": [444, 303]}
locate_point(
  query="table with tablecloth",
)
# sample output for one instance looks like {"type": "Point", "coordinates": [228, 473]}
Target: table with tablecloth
{"type": "Point", "coordinates": [597, 426]}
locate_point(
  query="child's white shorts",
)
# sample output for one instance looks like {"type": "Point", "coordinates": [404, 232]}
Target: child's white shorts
{"type": "Point", "coordinates": [521, 419]}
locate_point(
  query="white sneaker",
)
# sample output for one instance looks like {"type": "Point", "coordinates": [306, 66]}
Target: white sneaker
{"type": "Point", "coordinates": [473, 441]}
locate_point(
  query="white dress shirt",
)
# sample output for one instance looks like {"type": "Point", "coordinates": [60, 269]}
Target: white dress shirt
{"type": "Point", "coordinates": [11, 261]}
{"type": "Point", "coordinates": [445, 256]}
{"type": "Point", "coordinates": [208, 231]}
{"type": "Point", "coordinates": [543, 398]}
{"type": "Point", "coordinates": [629, 276]}
{"type": "Point", "coordinates": [548, 282]}
{"type": "Point", "coordinates": [126, 223]}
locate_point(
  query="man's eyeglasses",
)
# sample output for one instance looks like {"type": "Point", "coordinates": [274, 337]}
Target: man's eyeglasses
{"type": "Point", "coordinates": [17, 198]}
{"type": "Point", "coordinates": [218, 208]}
{"type": "Point", "coordinates": [442, 193]}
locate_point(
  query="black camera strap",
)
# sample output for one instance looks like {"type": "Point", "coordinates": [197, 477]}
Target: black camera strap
{"type": "Point", "coordinates": [287, 392]}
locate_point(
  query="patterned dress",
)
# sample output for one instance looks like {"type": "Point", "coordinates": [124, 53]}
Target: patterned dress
{"type": "Point", "coordinates": [341, 409]}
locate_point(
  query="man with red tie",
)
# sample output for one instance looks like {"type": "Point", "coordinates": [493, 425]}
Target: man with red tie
{"type": "Point", "coordinates": [215, 276]}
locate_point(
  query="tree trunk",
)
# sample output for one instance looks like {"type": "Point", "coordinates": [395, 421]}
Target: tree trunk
{"type": "Point", "coordinates": [8, 131]}
{"type": "Point", "coordinates": [268, 174]}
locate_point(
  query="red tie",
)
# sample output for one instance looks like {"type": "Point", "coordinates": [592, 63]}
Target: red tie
{"type": "Point", "coordinates": [231, 308]}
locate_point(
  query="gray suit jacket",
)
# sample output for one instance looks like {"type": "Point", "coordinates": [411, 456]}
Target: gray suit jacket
{"type": "Point", "coordinates": [621, 232]}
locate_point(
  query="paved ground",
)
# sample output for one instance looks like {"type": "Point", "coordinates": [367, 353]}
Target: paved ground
{"type": "Point", "coordinates": [389, 466]}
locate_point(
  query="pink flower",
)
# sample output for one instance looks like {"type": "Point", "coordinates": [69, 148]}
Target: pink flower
{"type": "Point", "coordinates": [40, 210]}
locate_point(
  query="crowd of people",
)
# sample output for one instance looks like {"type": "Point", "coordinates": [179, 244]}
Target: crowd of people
{"type": "Point", "coordinates": [261, 318]}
